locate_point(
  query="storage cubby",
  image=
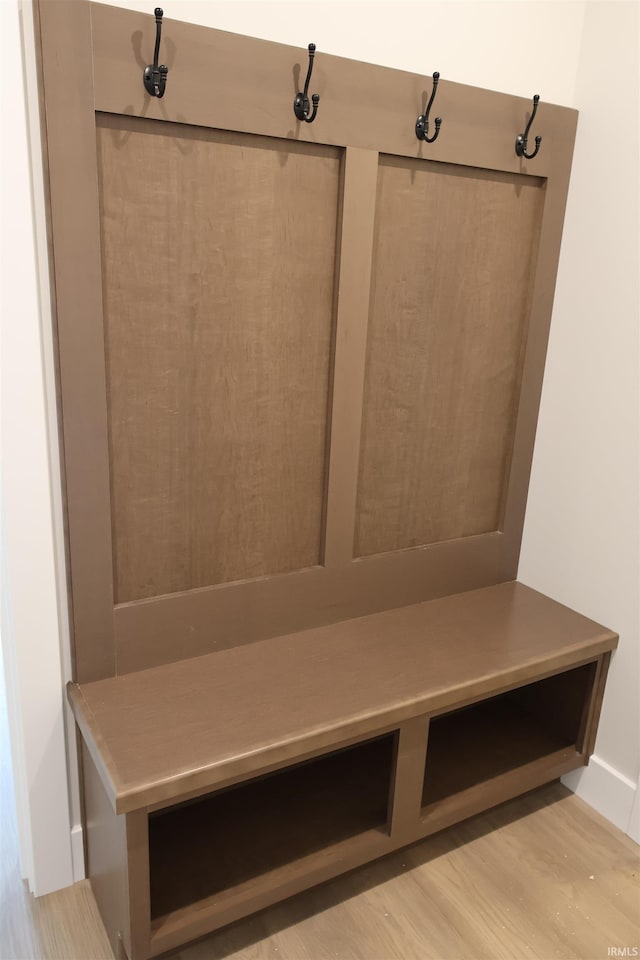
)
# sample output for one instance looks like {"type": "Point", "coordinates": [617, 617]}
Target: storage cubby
{"type": "Point", "coordinates": [224, 839]}
{"type": "Point", "coordinates": [476, 744]}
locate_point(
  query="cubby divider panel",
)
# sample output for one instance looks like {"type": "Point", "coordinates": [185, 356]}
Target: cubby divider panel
{"type": "Point", "coordinates": [219, 841]}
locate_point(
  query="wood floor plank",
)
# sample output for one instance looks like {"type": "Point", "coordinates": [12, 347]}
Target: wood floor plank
{"type": "Point", "coordinates": [541, 877]}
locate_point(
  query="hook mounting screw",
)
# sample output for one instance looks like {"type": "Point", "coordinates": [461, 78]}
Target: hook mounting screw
{"type": "Point", "coordinates": [301, 102]}
{"type": "Point", "coordinates": [522, 138]}
{"type": "Point", "coordinates": [422, 123]}
{"type": "Point", "coordinates": [155, 77]}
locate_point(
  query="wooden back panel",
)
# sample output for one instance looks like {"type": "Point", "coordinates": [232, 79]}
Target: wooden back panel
{"type": "Point", "coordinates": [218, 346]}
{"type": "Point", "coordinates": [300, 365]}
{"type": "Point", "coordinates": [454, 262]}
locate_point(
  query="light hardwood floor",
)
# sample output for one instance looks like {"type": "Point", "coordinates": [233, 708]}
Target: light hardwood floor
{"type": "Point", "coordinates": [541, 878]}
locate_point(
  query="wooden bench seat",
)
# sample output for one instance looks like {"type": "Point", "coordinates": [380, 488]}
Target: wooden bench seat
{"type": "Point", "coordinates": [221, 784]}
{"type": "Point", "coordinates": [191, 726]}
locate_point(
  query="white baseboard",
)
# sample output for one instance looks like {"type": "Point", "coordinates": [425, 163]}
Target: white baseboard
{"type": "Point", "coordinates": [606, 790]}
{"type": "Point", "coordinates": [634, 819]}
{"type": "Point", "coordinates": [77, 852]}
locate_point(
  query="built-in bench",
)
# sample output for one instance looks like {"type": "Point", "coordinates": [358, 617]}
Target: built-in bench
{"type": "Point", "coordinates": [238, 778]}
{"type": "Point", "coordinates": [299, 375]}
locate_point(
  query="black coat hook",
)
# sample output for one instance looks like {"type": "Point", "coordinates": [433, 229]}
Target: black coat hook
{"type": "Point", "coordinates": [155, 77]}
{"type": "Point", "coordinates": [301, 102]}
{"type": "Point", "coordinates": [422, 123]}
{"type": "Point", "coordinates": [522, 138]}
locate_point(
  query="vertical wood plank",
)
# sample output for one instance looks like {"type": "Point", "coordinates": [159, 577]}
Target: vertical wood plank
{"type": "Point", "coordinates": [588, 700]}
{"type": "Point", "coordinates": [139, 933]}
{"type": "Point", "coordinates": [106, 856]}
{"type": "Point", "coordinates": [588, 735]}
{"type": "Point", "coordinates": [356, 250]}
{"type": "Point", "coordinates": [63, 45]}
{"type": "Point", "coordinates": [556, 192]}
{"type": "Point", "coordinates": [406, 792]}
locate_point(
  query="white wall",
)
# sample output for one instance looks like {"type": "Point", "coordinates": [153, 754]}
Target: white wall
{"type": "Point", "coordinates": [32, 622]}
{"type": "Point", "coordinates": [581, 538]}
{"type": "Point", "coordinates": [517, 46]}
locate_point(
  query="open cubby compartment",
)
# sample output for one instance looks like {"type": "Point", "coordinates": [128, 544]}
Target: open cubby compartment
{"type": "Point", "coordinates": [223, 840]}
{"type": "Point", "coordinates": [536, 725]}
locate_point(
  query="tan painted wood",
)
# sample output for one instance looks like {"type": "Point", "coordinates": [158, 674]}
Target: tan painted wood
{"type": "Point", "coordinates": [137, 939]}
{"type": "Point", "coordinates": [249, 854]}
{"type": "Point", "coordinates": [544, 874]}
{"type": "Point", "coordinates": [307, 808]}
{"type": "Point", "coordinates": [211, 511]}
{"type": "Point", "coordinates": [480, 125]}
{"type": "Point", "coordinates": [454, 260]}
{"type": "Point", "coordinates": [180, 625]}
{"type": "Point", "coordinates": [148, 633]}
{"type": "Point", "coordinates": [513, 880]}
{"type": "Point", "coordinates": [452, 809]}
{"type": "Point", "coordinates": [361, 168]}
{"type": "Point", "coordinates": [117, 864]}
{"type": "Point", "coordinates": [560, 705]}
{"type": "Point", "coordinates": [592, 717]}
{"type": "Point", "coordinates": [106, 857]}
{"type": "Point", "coordinates": [68, 132]}
{"type": "Point", "coordinates": [218, 349]}
{"type": "Point", "coordinates": [556, 190]}
{"type": "Point", "coordinates": [172, 930]}
{"type": "Point", "coordinates": [497, 736]}
{"type": "Point", "coordinates": [253, 706]}
{"type": "Point", "coordinates": [261, 840]}
{"type": "Point", "coordinates": [303, 757]}
{"type": "Point", "coordinates": [406, 796]}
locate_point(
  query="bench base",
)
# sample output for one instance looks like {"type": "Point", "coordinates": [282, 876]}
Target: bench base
{"type": "Point", "coordinates": [174, 870]}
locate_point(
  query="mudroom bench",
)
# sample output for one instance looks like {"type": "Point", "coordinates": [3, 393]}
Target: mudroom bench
{"type": "Point", "coordinates": [227, 782]}
{"type": "Point", "coordinates": [299, 365]}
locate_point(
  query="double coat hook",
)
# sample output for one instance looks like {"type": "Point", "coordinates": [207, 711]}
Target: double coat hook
{"type": "Point", "coordinates": [422, 123]}
{"type": "Point", "coordinates": [155, 77]}
{"type": "Point", "coordinates": [522, 138]}
{"type": "Point", "coordinates": [301, 102]}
